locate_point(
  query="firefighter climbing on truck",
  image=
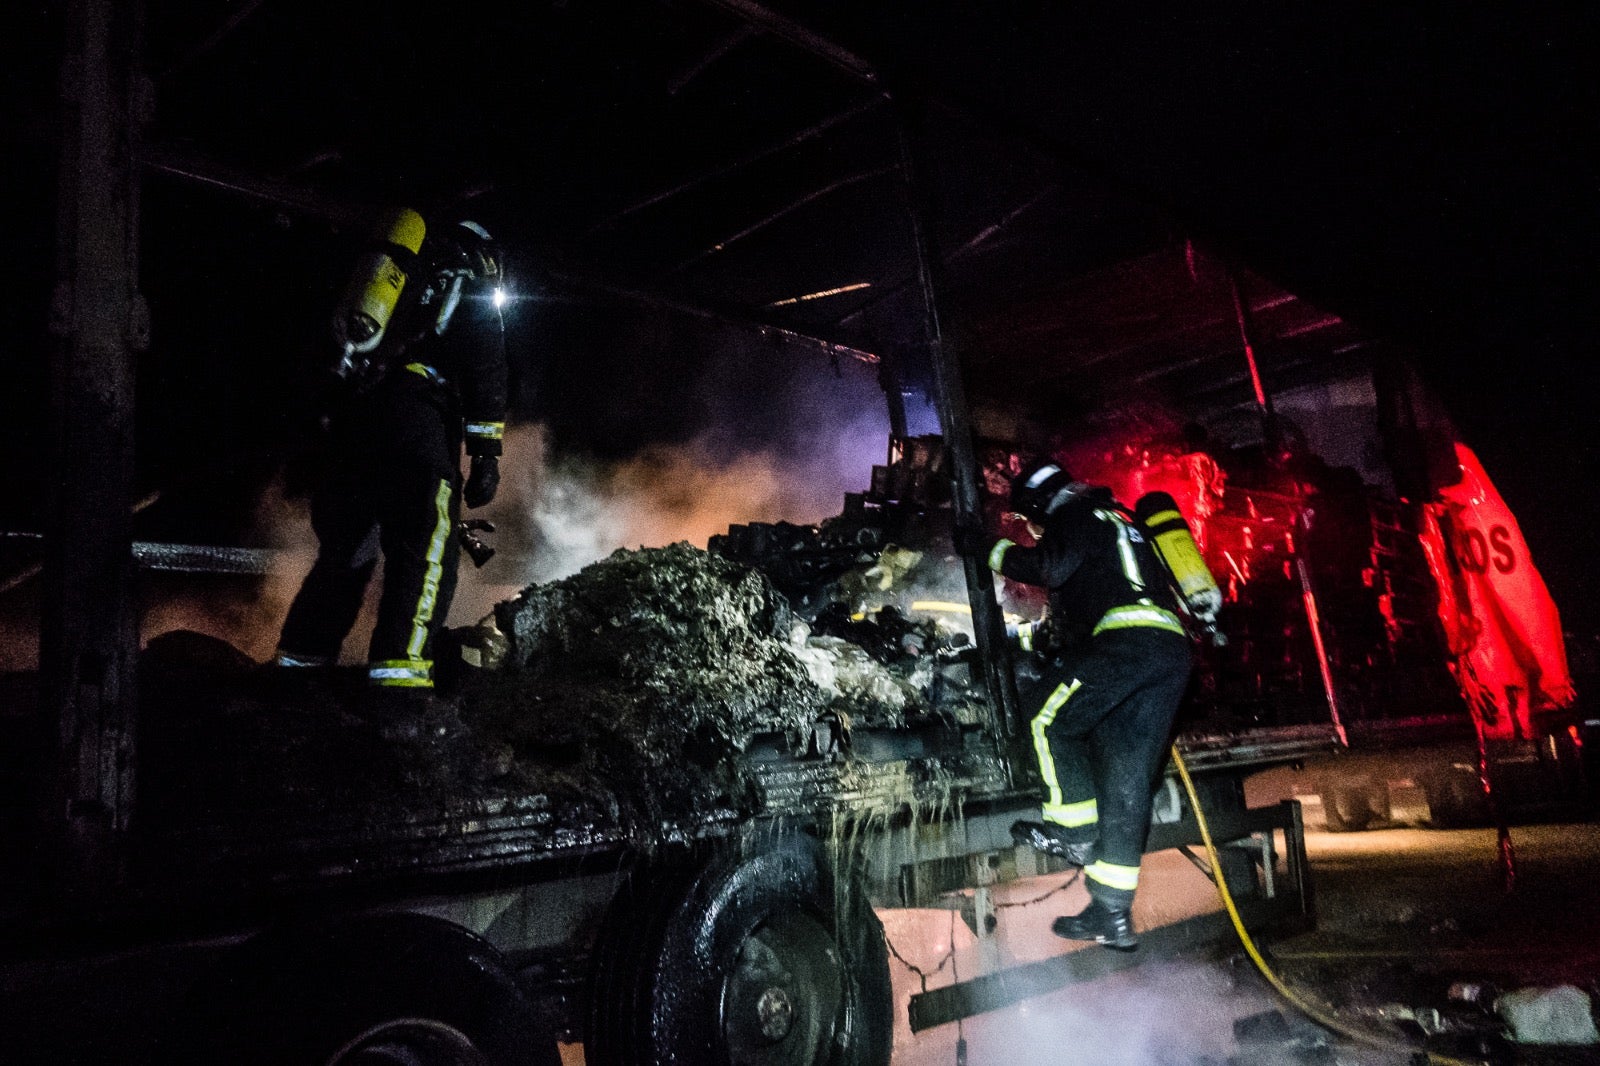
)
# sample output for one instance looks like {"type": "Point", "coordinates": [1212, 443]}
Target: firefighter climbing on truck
{"type": "Point", "coordinates": [1108, 686]}
{"type": "Point", "coordinates": [423, 367]}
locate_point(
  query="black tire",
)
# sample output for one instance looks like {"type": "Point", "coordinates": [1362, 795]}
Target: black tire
{"type": "Point", "coordinates": [1346, 808]}
{"type": "Point", "coordinates": [370, 991]}
{"type": "Point", "coordinates": [1455, 799]}
{"type": "Point", "coordinates": [729, 960]}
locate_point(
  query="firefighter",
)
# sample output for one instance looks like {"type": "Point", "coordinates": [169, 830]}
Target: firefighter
{"type": "Point", "coordinates": [424, 371]}
{"type": "Point", "coordinates": [1106, 692]}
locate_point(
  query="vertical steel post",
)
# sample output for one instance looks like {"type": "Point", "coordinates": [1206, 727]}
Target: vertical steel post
{"type": "Point", "coordinates": [1308, 597]}
{"type": "Point", "coordinates": [88, 639]}
{"type": "Point", "coordinates": [1269, 417]}
{"type": "Point", "coordinates": [951, 400]}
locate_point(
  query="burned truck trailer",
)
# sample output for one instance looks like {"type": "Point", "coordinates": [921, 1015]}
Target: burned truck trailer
{"type": "Point", "coordinates": [663, 824]}
{"type": "Point", "coordinates": [659, 823]}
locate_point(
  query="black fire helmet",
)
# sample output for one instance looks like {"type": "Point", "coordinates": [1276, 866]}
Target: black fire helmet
{"type": "Point", "coordinates": [1036, 487]}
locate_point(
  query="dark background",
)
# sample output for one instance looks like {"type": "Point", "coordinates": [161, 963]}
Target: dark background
{"type": "Point", "coordinates": [1426, 179]}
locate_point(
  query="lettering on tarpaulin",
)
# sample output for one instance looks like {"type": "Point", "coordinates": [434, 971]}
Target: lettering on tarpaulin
{"type": "Point", "coordinates": [1476, 553]}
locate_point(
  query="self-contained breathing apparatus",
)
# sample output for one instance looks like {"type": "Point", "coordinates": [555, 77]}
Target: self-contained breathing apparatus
{"type": "Point", "coordinates": [405, 254]}
{"type": "Point", "coordinates": [1198, 592]}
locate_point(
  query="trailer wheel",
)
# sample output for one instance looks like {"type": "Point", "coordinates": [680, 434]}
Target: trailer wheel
{"type": "Point", "coordinates": [380, 990]}
{"type": "Point", "coordinates": [761, 960]}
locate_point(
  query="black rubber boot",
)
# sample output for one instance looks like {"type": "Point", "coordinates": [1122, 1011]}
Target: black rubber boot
{"type": "Point", "coordinates": [1054, 840]}
{"type": "Point", "coordinates": [1099, 923]}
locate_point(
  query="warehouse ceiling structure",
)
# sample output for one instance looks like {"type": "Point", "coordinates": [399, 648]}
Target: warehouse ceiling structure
{"type": "Point", "coordinates": [1093, 186]}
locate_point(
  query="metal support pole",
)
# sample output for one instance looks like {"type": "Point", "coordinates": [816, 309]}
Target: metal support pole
{"type": "Point", "coordinates": [88, 639]}
{"type": "Point", "coordinates": [1308, 598]}
{"type": "Point", "coordinates": [1269, 417]}
{"type": "Point", "coordinates": [951, 399]}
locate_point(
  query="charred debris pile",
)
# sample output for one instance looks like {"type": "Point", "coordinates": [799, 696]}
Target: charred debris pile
{"type": "Point", "coordinates": [629, 688]}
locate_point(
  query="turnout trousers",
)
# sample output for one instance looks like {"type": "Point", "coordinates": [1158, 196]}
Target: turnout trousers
{"type": "Point", "coordinates": [1101, 736]}
{"type": "Point", "coordinates": [394, 485]}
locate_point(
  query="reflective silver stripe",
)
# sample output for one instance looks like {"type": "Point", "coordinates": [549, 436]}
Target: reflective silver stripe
{"type": "Point", "coordinates": [487, 430]}
{"type": "Point", "coordinates": [289, 659]}
{"type": "Point", "coordinates": [1048, 470]}
{"type": "Point", "coordinates": [1137, 617]}
{"type": "Point", "coordinates": [1060, 498]}
{"type": "Point", "coordinates": [1130, 562]}
{"type": "Point", "coordinates": [452, 299]}
{"type": "Point", "coordinates": [1041, 746]}
{"type": "Point", "coordinates": [1073, 815]}
{"type": "Point", "coordinates": [430, 578]}
{"type": "Point", "coordinates": [1111, 875]}
{"type": "Point", "coordinates": [997, 554]}
{"type": "Point", "coordinates": [401, 673]}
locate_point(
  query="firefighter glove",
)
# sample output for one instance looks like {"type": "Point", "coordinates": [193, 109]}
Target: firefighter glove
{"type": "Point", "coordinates": [482, 480]}
{"type": "Point", "coordinates": [970, 540]}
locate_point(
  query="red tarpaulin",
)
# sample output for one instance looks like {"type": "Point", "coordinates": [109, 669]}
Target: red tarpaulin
{"type": "Point", "coordinates": [1500, 622]}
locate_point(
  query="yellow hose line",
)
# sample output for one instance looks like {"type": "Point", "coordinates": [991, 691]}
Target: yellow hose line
{"type": "Point", "coordinates": [1322, 1017]}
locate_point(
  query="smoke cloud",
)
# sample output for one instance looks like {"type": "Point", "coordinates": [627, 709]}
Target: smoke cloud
{"type": "Point", "coordinates": [556, 515]}
{"type": "Point", "coordinates": [245, 613]}
{"type": "Point", "coordinates": [553, 516]}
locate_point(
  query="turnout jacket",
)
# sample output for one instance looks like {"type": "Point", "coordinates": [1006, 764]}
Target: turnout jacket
{"type": "Point", "coordinates": [457, 344]}
{"type": "Point", "coordinates": [1100, 570]}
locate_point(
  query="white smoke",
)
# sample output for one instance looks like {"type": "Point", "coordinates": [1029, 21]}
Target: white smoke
{"type": "Point", "coordinates": [553, 516]}
{"type": "Point", "coordinates": [1161, 1012]}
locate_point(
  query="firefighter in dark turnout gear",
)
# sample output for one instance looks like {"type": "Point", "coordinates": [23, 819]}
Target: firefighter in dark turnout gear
{"type": "Point", "coordinates": [424, 370]}
{"type": "Point", "coordinates": [1108, 690]}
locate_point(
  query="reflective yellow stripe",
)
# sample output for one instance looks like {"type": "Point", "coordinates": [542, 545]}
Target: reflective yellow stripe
{"type": "Point", "coordinates": [430, 578]}
{"type": "Point", "coordinates": [1073, 815]}
{"type": "Point", "coordinates": [401, 673]}
{"type": "Point", "coordinates": [997, 554]}
{"type": "Point", "coordinates": [1139, 617]}
{"type": "Point", "coordinates": [1041, 746]}
{"type": "Point", "coordinates": [1163, 516]}
{"type": "Point", "coordinates": [1130, 562]}
{"type": "Point", "coordinates": [1113, 876]}
{"type": "Point", "coordinates": [487, 430]}
{"type": "Point", "coordinates": [424, 370]}
{"type": "Point", "coordinates": [1025, 636]}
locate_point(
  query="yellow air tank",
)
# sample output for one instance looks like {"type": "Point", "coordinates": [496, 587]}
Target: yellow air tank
{"type": "Point", "coordinates": [377, 282]}
{"type": "Point", "coordinates": [1158, 513]}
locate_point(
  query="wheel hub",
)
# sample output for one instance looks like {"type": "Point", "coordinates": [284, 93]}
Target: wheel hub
{"type": "Point", "coordinates": [775, 1014]}
{"type": "Point", "coordinates": [782, 1003]}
